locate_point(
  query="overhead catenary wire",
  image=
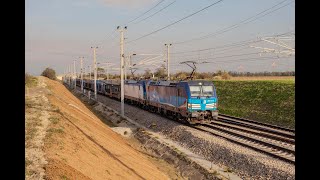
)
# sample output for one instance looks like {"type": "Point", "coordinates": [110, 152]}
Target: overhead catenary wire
{"type": "Point", "coordinates": [234, 55]}
{"type": "Point", "coordinates": [223, 51]}
{"type": "Point", "coordinates": [144, 13]}
{"type": "Point", "coordinates": [155, 13]}
{"type": "Point", "coordinates": [176, 21]}
{"type": "Point", "coordinates": [219, 48]}
{"type": "Point", "coordinates": [238, 60]}
{"type": "Point", "coordinates": [246, 21]}
{"type": "Point", "coordinates": [224, 48]}
{"type": "Point", "coordinates": [111, 36]}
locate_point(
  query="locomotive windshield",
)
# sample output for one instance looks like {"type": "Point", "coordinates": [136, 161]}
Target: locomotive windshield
{"type": "Point", "coordinates": [201, 90]}
{"type": "Point", "coordinates": [207, 90]}
{"type": "Point", "coordinates": [195, 90]}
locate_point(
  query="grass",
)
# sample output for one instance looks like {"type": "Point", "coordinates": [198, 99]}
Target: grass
{"type": "Point", "coordinates": [266, 78]}
{"type": "Point", "coordinates": [50, 132]}
{"type": "Point", "coordinates": [227, 169]}
{"type": "Point", "coordinates": [54, 120]}
{"type": "Point", "coordinates": [55, 130]}
{"type": "Point", "coordinates": [27, 162]}
{"type": "Point", "coordinates": [30, 172]}
{"type": "Point", "coordinates": [28, 103]}
{"type": "Point", "coordinates": [214, 173]}
{"type": "Point", "coordinates": [31, 103]}
{"type": "Point", "coordinates": [63, 177]}
{"type": "Point", "coordinates": [30, 81]}
{"type": "Point", "coordinates": [31, 129]}
{"type": "Point", "coordinates": [269, 101]}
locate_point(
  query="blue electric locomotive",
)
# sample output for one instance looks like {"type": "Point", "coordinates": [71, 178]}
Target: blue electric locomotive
{"type": "Point", "coordinates": [193, 101]}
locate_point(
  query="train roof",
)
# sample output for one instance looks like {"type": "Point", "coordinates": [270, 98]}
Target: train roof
{"type": "Point", "coordinates": [162, 83]}
{"type": "Point", "coordinates": [199, 82]}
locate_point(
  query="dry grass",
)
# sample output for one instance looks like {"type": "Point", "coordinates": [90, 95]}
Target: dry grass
{"type": "Point", "coordinates": [30, 81]}
{"type": "Point", "coordinates": [54, 120]}
{"type": "Point", "coordinates": [254, 78]}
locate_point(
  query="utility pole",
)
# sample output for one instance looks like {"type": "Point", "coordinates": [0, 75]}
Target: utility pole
{"type": "Point", "coordinates": [125, 67]}
{"type": "Point", "coordinates": [89, 72]}
{"type": "Point", "coordinates": [107, 72]}
{"type": "Point", "coordinates": [121, 30]}
{"type": "Point", "coordinates": [168, 60]}
{"type": "Point", "coordinates": [95, 71]}
{"type": "Point", "coordinates": [81, 61]}
{"type": "Point", "coordinates": [75, 74]}
{"type": "Point", "coordinates": [128, 63]}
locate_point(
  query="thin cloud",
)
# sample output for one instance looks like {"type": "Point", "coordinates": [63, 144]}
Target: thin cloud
{"type": "Point", "coordinates": [127, 3]}
{"type": "Point", "coordinates": [81, 3]}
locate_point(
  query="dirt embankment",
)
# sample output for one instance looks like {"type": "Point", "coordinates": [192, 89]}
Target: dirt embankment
{"type": "Point", "coordinates": [72, 143]}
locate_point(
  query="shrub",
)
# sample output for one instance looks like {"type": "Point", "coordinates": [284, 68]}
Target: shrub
{"type": "Point", "coordinates": [225, 75]}
{"type": "Point", "coordinates": [49, 73]}
{"type": "Point", "coordinates": [29, 80]}
{"type": "Point", "coordinates": [217, 77]}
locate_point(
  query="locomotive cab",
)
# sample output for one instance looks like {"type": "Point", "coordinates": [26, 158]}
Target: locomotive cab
{"type": "Point", "coordinates": [202, 102]}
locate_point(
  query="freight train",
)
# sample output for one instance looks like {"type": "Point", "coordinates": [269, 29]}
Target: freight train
{"type": "Point", "coordinates": [193, 101]}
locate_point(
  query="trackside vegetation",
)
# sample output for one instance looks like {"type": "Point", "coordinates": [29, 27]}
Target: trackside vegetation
{"type": "Point", "coordinates": [269, 101]}
{"type": "Point", "coordinates": [30, 81]}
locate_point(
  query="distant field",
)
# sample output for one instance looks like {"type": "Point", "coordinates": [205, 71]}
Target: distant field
{"type": "Point", "coordinates": [289, 78]}
{"type": "Point", "coordinates": [270, 101]}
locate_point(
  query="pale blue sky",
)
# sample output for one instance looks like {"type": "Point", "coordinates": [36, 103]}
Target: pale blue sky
{"type": "Point", "coordinates": [59, 31]}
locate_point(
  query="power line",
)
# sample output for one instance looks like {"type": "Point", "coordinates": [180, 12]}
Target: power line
{"type": "Point", "coordinates": [145, 12]}
{"type": "Point", "coordinates": [241, 43]}
{"type": "Point", "coordinates": [247, 59]}
{"type": "Point", "coordinates": [176, 21]}
{"type": "Point", "coordinates": [227, 46]}
{"type": "Point", "coordinates": [224, 51]}
{"type": "Point", "coordinates": [255, 17]}
{"type": "Point", "coordinates": [156, 12]}
{"type": "Point", "coordinates": [111, 36]}
{"type": "Point", "coordinates": [235, 55]}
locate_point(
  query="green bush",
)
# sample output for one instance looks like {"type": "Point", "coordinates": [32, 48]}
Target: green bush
{"type": "Point", "coordinates": [49, 73]}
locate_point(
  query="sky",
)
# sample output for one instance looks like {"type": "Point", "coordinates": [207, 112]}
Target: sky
{"type": "Point", "coordinates": [57, 32]}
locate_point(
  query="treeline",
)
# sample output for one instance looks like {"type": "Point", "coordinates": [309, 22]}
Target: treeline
{"type": "Point", "coordinates": [160, 73]}
{"type": "Point", "coordinates": [286, 73]}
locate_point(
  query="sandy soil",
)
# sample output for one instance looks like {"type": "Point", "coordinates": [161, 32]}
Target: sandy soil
{"type": "Point", "coordinates": [36, 123]}
{"type": "Point", "coordinates": [79, 146]}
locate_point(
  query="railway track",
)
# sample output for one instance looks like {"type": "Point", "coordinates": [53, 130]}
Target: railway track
{"type": "Point", "coordinates": [275, 151]}
{"type": "Point", "coordinates": [260, 125]}
{"type": "Point", "coordinates": [269, 139]}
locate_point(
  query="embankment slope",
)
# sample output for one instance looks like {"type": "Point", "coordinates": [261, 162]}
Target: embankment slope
{"type": "Point", "coordinates": [79, 146]}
